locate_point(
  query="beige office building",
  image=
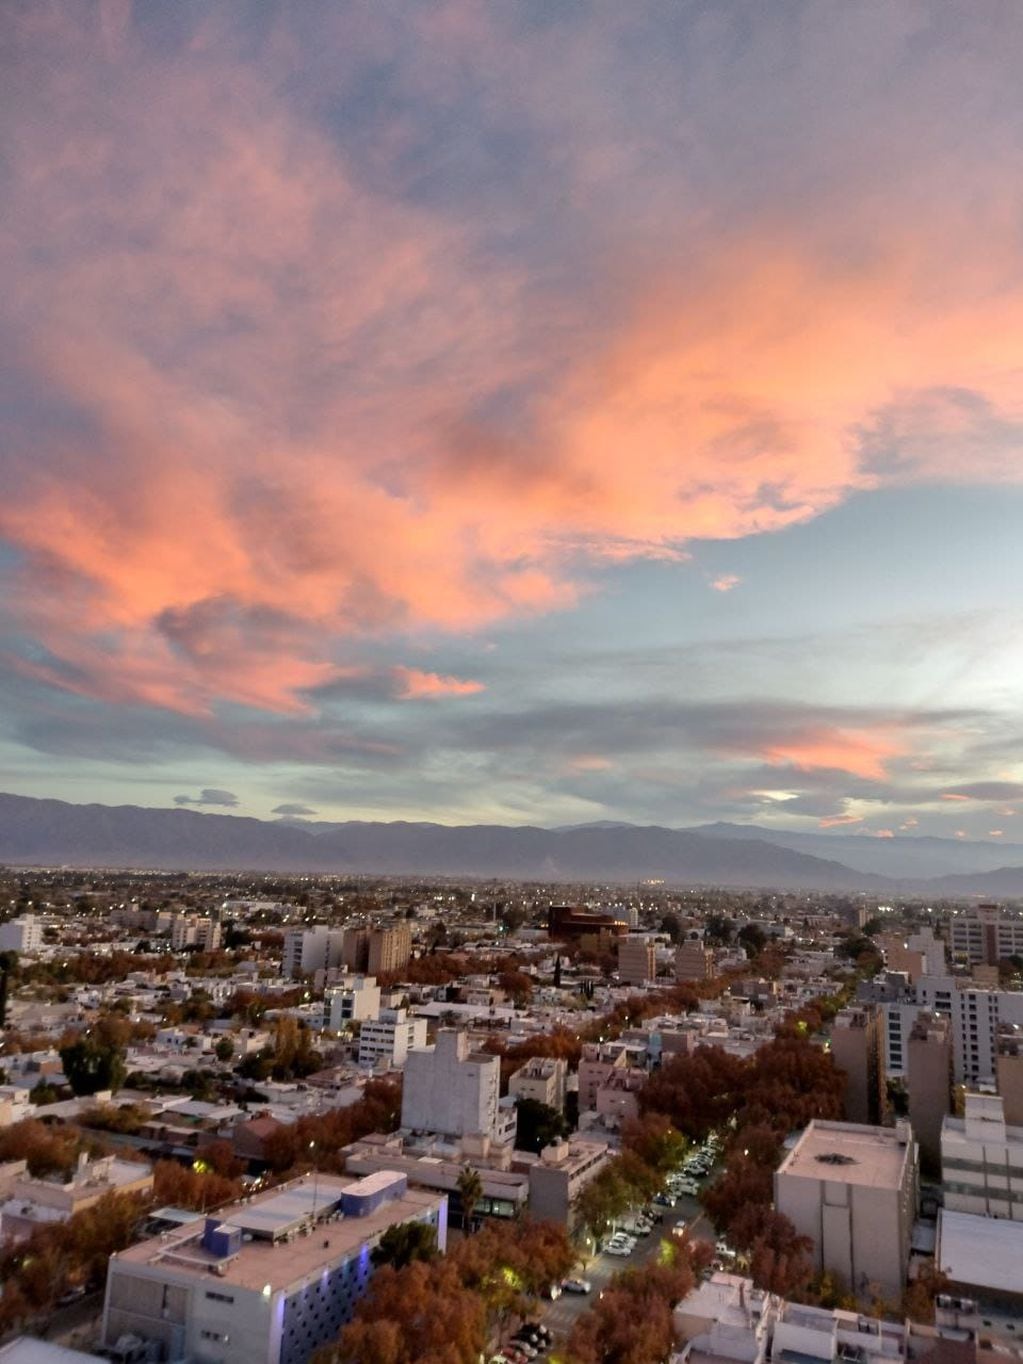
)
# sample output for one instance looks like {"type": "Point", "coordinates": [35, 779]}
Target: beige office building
{"type": "Point", "coordinates": [637, 959]}
{"type": "Point", "coordinates": [853, 1191]}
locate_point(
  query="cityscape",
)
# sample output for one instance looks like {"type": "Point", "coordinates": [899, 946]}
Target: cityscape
{"type": "Point", "coordinates": [511, 737]}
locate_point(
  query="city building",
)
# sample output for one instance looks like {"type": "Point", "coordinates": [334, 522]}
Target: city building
{"type": "Point", "coordinates": [385, 1042]}
{"type": "Point", "coordinates": [982, 1161]}
{"type": "Point", "coordinates": [356, 1000]}
{"type": "Point", "coordinates": [268, 1280]}
{"type": "Point", "coordinates": [543, 1079]}
{"type": "Point", "coordinates": [982, 1259]}
{"type": "Point", "coordinates": [24, 934]}
{"type": "Point", "coordinates": [637, 959]}
{"type": "Point", "coordinates": [449, 1088]}
{"type": "Point", "coordinates": [929, 1084]}
{"type": "Point", "coordinates": [31, 1203]}
{"type": "Point", "coordinates": [192, 930]}
{"type": "Point", "coordinates": [853, 1191]}
{"type": "Point", "coordinates": [307, 950]}
{"type": "Point", "coordinates": [921, 954]}
{"type": "Point", "coordinates": [560, 1174]}
{"type": "Point", "coordinates": [985, 935]}
{"type": "Point", "coordinates": [693, 960]}
{"type": "Point", "coordinates": [389, 949]}
{"type": "Point", "coordinates": [1008, 1071]}
{"type": "Point", "coordinates": [566, 921]}
{"type": "Point", "coordinates": [857, 1045]}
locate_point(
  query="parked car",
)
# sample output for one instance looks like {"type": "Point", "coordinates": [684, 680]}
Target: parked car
{"type": "Point", "coordinates": [577, 1285]}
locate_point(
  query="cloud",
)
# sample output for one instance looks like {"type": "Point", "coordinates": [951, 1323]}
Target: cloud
{"type": "Point", "coordinates": [985, 791]}
{"type": "Point", "coordinates": [833, 821]}
{"type": "Point", "coordinates": [414, 685]}
{"type": "Point", "coordinates": [209, 795]}
{"type": "Point", "coordinates": [284, 387]}
{"type": "Point", "coordinates": [726, 582]}
{"type": "Point", "coordinates": [293, 809]}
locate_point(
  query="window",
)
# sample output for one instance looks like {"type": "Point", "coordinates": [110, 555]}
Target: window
{"type": "Point", "coordinates": [219, 1297]}
{"type": "Point", "coordinates": [215, 1335]}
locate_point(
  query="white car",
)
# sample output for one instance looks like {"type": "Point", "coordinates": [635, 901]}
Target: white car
{"type": "Point", "coordinates": [617, 1248]}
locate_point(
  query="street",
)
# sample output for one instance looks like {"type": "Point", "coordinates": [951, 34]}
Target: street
{"type": "Point", "coordinates": [561, 1315]}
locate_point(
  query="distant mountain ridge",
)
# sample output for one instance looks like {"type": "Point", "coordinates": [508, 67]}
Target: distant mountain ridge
{"type": "Point", "coordinates": [56, 833]}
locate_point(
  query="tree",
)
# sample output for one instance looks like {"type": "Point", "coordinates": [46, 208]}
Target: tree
{"type": "Point", "coordinates": [224, 1049]}
{"type": "Point", "coordinates": [8, 966]}
{"type": "Point", "coordinates": [779, 1257]}
{"type": "Point", "coordinates": [422, 1314]}
{"type": "Point", "coordinates": [631, 1322]}
{"type": "Point", "coordinates": [405, 1242]}
{"type": "Point", "coordinates": [538, 1125]}
{"type": "Point", "coordinates": [655, 1140]}
{"type": "Point", "coordinates": [753, 939]}
{"type": "Point", "coordinates": [91, 1065]}
{"type": "Point", "coordinates": [470, 1191]}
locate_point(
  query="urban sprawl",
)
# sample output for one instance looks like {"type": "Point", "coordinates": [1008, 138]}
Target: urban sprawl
{"type": "Point", "coordinates": [359, 1121]}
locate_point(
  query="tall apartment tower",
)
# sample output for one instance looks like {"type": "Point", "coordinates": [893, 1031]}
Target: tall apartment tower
{"type": "Point", "coordinates": [637, 959]}
{"type": "Point", "coordinates": [985, 935]}
{"type": "Point", "coordinates": [929, 1083]}
{"type": "Point", "coordinates": [389, 949]}
{"type": "Point", "coordinates": [693, 961]}
{"type": "Point", "coordinates": [857, 1040]}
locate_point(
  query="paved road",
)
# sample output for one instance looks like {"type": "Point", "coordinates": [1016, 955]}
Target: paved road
{"type": "Point", "coordinates": [561, 1315]}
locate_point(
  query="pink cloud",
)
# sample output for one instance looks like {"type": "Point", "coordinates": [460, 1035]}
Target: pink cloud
{"type": "Point", "coordinates": [860, 752]}
{"type": "Point", "coordinates": [882, 833]}
{"type": "Point", "coordinates": [833, 821]}
{"type": "Point", "coordinates": [726, 582]}
{"type": "Point", "coordinates": [276, 361]}
{"type": "Point", "coordinates": [415, 685]}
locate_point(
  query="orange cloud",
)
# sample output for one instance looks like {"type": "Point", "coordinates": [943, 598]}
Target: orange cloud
{"type": "Point", "coordinates": [726, 582]}
{"type": "Point", "coordinates": [270, 366]}
{"type": "Point", "coordinates": [832, 821]}
{"type": "Point", "coordinates": [414, 685]}
{"type": "Point", "coordinates": [952, 795]}
{"type": "Point", "coordinates": [861, 753]}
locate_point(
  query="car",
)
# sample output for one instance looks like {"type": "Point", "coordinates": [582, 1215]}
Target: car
{"type": "Point", "coordinates": [577, 1285]}
{"type": "Point", "coordinates": [665, 1200]}
{"type": "Point", "coordinates": [524, 1347]}
{"type": "Point", "coordinates": [618, 1249]}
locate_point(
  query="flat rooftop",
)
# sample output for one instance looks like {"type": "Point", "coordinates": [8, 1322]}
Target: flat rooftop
{"type": "Point", "coordinates": [981, 1252]}
{"type": "Point", "coordinates": [847, 1153]}
{"type": "Point", "coordinates": [281, 1213]}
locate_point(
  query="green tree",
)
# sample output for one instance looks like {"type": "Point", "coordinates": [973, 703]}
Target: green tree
{"type": "Point", "coordinates": [90, 1065]}
{"type": "Point", "coordinates": [224, 1049]}
{"type": "Point", "coordinates": [405, 1242]}
{"type": "Point", "coordinates": [539, 1125]}
{"type": "Point", "coordinates": [470, 1191]}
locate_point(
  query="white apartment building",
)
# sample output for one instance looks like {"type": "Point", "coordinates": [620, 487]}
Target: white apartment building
{"type": "Point", "coordinates": [356, 1000]}
{"type": "Point", "coordinates": [24, 934]}
{"type": "Point", "coordinates": [985, 935]}
{"type": "Point", "coordinates": [450, 1089]}
{"type": "Point", "coordinates": [637, 959]}
{"type": "Point", "coordinates": [268, 1280]}
{"type": "Point", "coordinates": [975, 1014]}
{"type": "Point", "coordinates": [386, 1041]}
{"type": "Point", "coordinates": [311, 949]}
{"type": "Point", "coordinates": [543, 1079]}
{"type": "Point", "coordinates": [191, 930]}
{"type": "Point", "coordinates": [982, 1161]}
{"type": "Point", "coordinates": [853, 1191]}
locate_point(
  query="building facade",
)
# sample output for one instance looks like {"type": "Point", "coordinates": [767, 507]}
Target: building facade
{"type": "Point", "coordinates": [266, 1281]}
{"type": "Point", "coordinates": [454, 1091]}
{"type": "Point", "coordinates": [857, 1045]}
{"type": "Point", "coordinates": [386, 1041]}
{"type": "Point", "coordinates": [853, 1191]}
{"type": "Point", "coordinates": [982, 1161]}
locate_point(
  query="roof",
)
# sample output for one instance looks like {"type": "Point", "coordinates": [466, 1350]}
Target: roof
{"type": "Point", "coordinates": [29, 1350]}
{"type": "Point", "coordinates": [848, 1153]}
{"type": "Point", "coordinates": [276, 1254]}
{"type": "Point", "coordinates": [982, 1252]}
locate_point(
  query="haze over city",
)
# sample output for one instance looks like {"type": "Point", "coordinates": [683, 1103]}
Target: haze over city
{"type": "Point", "coordinates": [520, 413]}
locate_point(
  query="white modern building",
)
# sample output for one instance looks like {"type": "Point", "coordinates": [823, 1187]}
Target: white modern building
{"type": "Point", "coordinates": [853, 1191]}
{"type": "Point", "coordinates": [385, 1042]}
{"type": "Point", "coordinates": [192, 930]}
{"type": "Point", "coordinates": [982, 1161]}
{"type": "Point", "coordinates": [985, 935]}
{"type": "Point", "coordinates": [311, 949]}
{"type": "Point", "coordinates": [356, 1000]}
{"type": "Point", "coordinates": [268, 1280]}
{"type": "Point", "coordinates": [450, 1089]}
{"type": "Point", "coordinates": [21, 935]}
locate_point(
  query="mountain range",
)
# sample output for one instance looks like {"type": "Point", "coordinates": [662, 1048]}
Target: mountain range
{"type": "Point", "coordinates": [55, 833]}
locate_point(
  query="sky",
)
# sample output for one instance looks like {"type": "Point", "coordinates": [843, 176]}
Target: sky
{"type": "Point", "coordinates": [518, 412]}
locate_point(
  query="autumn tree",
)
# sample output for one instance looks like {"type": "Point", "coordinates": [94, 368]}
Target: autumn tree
{"type": "Point", "coordinates": [91, 1065]}
{"type": "Point", "coordinates": [538, 1125]}
{"type": "Point", "coordinates": [421, 1314]}
{"type": "Point", "coordinates": [632, 1321]}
